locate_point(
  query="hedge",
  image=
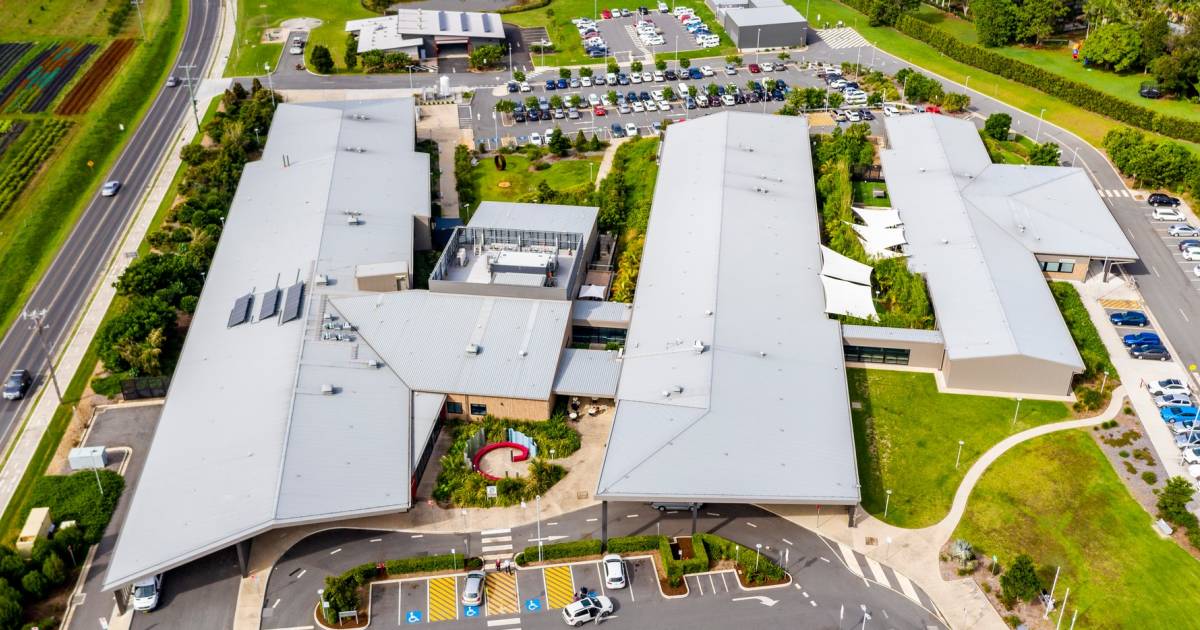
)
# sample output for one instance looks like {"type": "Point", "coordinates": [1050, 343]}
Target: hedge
{"type": "Point", "coordinates": [341, 591]}
{"type": "Point", "coordinates": [444, 562]}
{"type": "Point", "coordinates": [559, 551]}
{"type": "Point", "coordinates": [629, 544]}
{"type": "Point", "coordinates": [724, 549]}
{"type": "Point", "coordinates": [1071, 91]}
{"type": "Point", "coordinates": [1092, 350]}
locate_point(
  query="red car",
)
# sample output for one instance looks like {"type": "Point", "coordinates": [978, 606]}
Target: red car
{"type": "Point", "coordinates": [933, 109]}
{"type": "Point", "coordinates": [599, 111]}
{"type": "Point", "coordinates": [754, 69]}
{"type": "Point", "coordinates": [606, 14]}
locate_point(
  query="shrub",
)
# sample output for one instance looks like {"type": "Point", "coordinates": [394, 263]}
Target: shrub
{"type": "Point", "coordinates": [76, 497]}
{"type": "Point", "coordinates": [1149, 477]}
{"type": "Point", "coordinates": [628, 544]}
{"type": "Point", "coordinates": [1088, 399]}
{"type": "Point", "coordinates": [34, 583]}
{"type": "Point", "coordinates": [321, 60]}
{"type": "Point", "coordinates": [54, 569]}
{"type": "Point", "coordinates": [719, 548]}
{"type": "Point", "coordinates": [1123, 453]}
{"type": "Point", "coordinates": [563, 550]}
{"type": "Point", "coordinates": [1091, 349]}
{"type": "Point", "coordinates": [341, 593]}
{"type": "Point", "coordinates": [444, 562]}
{"type": "Point", "coordinates": [997, 126]}
{"type": "Point", "coordinates": [1021, 580]}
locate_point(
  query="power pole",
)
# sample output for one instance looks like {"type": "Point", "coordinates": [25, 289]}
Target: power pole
{"type": "Point", "coordinates": [35, 319]}
{"type": "Point", "coordinates": [187, 70]}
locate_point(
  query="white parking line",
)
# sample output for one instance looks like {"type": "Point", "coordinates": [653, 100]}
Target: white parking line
{"type": "Point", "coordinates": [495, 532]}
{"type": "Point", "coordinates": [752, 525]}
{"type": "Point", "coordinates": [592, 520]}
{"type": "Point", "coordinates": [503, 622]}
{"type": "Point", "coordinates": [631, 516]}
{"type": "Point", "coordinates": [276, 604]}
{"type": "Point", "coordinates": [338, 550]}
{"type": "Point", "coordinates": [699, 586]}
{"type": "Point", "coordinates": [418, 535]}
{"type": "Point", "coordinates": [1185, 317]}
{"type": "Point", "coordinates": [301, 573]}
{"type": "Point", "coordinates": [375, 540]}
{"type": "Point", "coordinates": [786, 540]}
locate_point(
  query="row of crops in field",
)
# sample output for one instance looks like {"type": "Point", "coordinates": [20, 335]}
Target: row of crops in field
{"type": "Point", "coordinates": [10, 54]}
{"type": "Point", "coordinates": [10, 130]}
{"type": "Point", "coordinates": [37, 85]}
{"type": "Point", "coordinates": [89, 87]}
{"type": "Point", "coordinates": [24, 157]}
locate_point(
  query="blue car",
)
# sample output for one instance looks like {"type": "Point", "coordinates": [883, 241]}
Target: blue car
{"type": "Point", "coordinates": [1129, 318]}
{"type": "Point", "coordinates": [563, 84]}
{"type": "Point", "coordinates": [695, 73]}
{"type": "Point", "coordinates": [1142, 339]}
{"type": "Point", "coordinates": [1171, 415]}
{"type": "Point", "coordinates": [550, 85]}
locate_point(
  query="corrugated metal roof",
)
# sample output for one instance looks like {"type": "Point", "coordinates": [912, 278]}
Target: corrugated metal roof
{"type": "Point", "coordinates": [732, 261]}
{"type": "Point", "coordinates": [424, 337]}
{"type": "Point", "coordinates": [587, 373]}
{"type": "Point", "coordinates": [763, 16]}
{"type": "Point", "coordinates": [883, 333]}
{"type": "Point", "coordinates": [394, 31]}
{"type": "Point", "coordinates": [973, 228]}
{"type": "Point", "coordinates": [598, 313]}
{"type": "Point", "coordinates": [243, 443]}
{"type": "Point", "coordinates": [535, 217]}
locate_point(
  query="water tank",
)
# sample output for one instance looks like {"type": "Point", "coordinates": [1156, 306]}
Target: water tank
{"type": "Point", "coordinates": [444, 86]}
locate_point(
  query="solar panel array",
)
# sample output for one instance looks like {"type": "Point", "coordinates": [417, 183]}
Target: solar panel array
{"type": "Point", "coordinates": [240, 313]}
{"type": "Point", "coordinates": [292, 302]}
{"type": "Point", "coordinates": [268, 304]}
{"type": "Point", "coordinates": [465, 21]}
{"type": "Point", "coordinates": [487, 22]}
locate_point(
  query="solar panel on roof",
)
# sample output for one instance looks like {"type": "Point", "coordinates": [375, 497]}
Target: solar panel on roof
{"type": "Point", "coordinates": [268, 303]}
{"type": "Point", "coordinates": [465, 21]}
{"type": "Point", "coordinates": [291, 303]}
{"type": "Point", "coordinates": [442, 20]}
{"type": "Point", "coordinates": [240, 313]}
{"type": "Point", "coordinates": [487, 23]}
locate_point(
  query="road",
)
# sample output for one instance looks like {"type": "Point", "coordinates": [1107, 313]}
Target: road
{"type": "Point", "coordinates": [65, 287]}
{"type": "Point", "coordinates": [824, 593]}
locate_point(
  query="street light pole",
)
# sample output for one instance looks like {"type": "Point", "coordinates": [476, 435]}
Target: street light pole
{"type": "Point", "coordinates": [187, 73]}
{"type": "Point", "coordinates": [36, 319]}
{"type": "Point", "coordinates": [958, 457]}
{"type": "Point", "coordinates": [1015, 412]}
{"type": "Point", "coordinates": [270, 82]}
{"type": "Point", "coordinates": [538, 503]}
{"type": "Point", "coordinates": [757, 45]}
{"type": "Point", "coordinates": [887, 503]}
{"type": "Point", "coordinates": [141, 25]}
{"type": "Point", "coordinates": [866, 615]}
{"type": "Point", "coordinates": [757, 554]}
{"type": "Point", "coordinates": [1037, 137]}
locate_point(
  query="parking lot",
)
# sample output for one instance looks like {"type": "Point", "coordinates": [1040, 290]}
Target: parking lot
{"type": "Point", "coordinates": [1176, 234]}
{"type": "Point", "coordinates": [620, 34]}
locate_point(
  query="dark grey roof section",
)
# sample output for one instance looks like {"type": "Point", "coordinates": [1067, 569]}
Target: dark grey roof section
{"type": "Point", "coordinates": [240, 313]}
{"type": "Point", "coordinates": [588, 373]}
{"type": "Point", "coordinates": [733, 385]}
{"type": "Point", "coordinates": [268, 304]}
{"type": "Point", "coordinates": [601, 314]}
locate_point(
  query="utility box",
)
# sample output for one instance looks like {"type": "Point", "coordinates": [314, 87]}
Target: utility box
{"type": "Point", "coordinates": [86, 458]}
{"type": "Point", "coordinates": [36, 526]}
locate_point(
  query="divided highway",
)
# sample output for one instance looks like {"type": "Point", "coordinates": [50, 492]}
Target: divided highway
{"type": "Point", "coordinates": [67, 284]}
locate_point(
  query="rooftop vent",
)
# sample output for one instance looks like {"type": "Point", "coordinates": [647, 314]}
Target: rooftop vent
{"type": "Point", "coordinates": [699, 347]}
{"type": "Point", "coordinates": [677, 389]}
{"type": "Point", "coordinates": [322, 279]}
{"type": "Point", "coordinates": [327, 389]}
{"type": "Point", "coordinates": [361, 117]}
{"type": "Point", "coordinates": [353, 220]}
{"type": "Point", "coordinates": [472, 348]}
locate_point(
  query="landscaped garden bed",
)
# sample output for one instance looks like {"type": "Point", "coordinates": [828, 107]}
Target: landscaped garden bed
{"type": "Point", "coordinates": [350, 591]}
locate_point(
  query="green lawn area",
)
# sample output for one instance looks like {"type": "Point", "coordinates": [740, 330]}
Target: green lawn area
{"type": "Point", "coordinates": [1057, 59]}
{"type": "Point", "coordinates": [1057, 499]}
{"type": "Point", "coordinates": [1089, 126]}
{"type": "Point", "coordinates": [557, 16]}
{"type": "Point", "coordinates": [55, 19]}
{"type": "Point", "coordinates": [907, 434]}
{"type": "Point", "coordinates": [248, 55]}
{"type": "Point", "coordinates": [563, 175]}
{"type": "Point", "coordinates": [863, 194]}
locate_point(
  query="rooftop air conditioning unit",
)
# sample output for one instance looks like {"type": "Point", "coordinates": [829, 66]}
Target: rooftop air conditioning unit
{"type": "Point", "coordinates": [472, 348]}
{"type": "Point", "coordinates": [322, 279]}
{"type": "Point", "coordinates": [327, 389]}
{"type": "Point", "coordinates": [353, 220]}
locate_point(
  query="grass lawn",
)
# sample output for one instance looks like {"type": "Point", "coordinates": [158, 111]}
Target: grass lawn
{"type": "Point", "coordinates": [557, 19]}
{"type": "Point", "coordinates": [562, 175]}
{"type": "Point", "coordinates": [863, 194]}
{"type": "Point", "coordinates": [1087, 125]}
{"type": "Point", "coordinates": [55, 19]}
{"type": "Point", "coordinates": [1058, 499]}
{"type": "Point", "coordinates": [907, 434]}
{"type": "Point", "coordinates": [248, 55]}
{"type": "Point", "coordinates": [1057, 59]}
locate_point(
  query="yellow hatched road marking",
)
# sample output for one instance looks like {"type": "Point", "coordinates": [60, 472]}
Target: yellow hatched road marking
{"type": "Point", "coordinates": [443, 599]}
{"type": "Point", "coordinates": [560, 586]}
{"type": "Point", "coordinates": [1125, 304]}
{"type": "Point", "coordinates": [501, 590]}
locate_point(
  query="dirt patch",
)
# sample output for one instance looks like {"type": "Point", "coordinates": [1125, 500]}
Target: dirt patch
{"type": "Point", "coordinates": [683, 548]}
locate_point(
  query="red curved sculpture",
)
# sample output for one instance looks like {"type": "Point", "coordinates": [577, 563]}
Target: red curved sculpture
{"type": "Point", "coordinates": [522, 455]}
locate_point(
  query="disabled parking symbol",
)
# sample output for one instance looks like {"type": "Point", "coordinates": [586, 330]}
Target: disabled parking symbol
{"type": "Point", "coordinates": [533, 605]}
{"type": "Point", "coordinates": [413, 616]}
{"type": "Point", "coordinates": [470, 611]}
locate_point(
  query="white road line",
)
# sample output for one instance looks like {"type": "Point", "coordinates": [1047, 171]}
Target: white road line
{"type": "Point", "coordinates": [786, 541]}
{"type": "Point", "coordinates": [418, 535]}
{"type": "Point", "coordinates": [805, 594]}
{"type": "Point", "coordinates": [504, 622]}
{"type": "Point", "coordinates": [375, 540]}
{"type": "Point", "coordinates": [724, 582]}
{"type": "Point", "coordinates": [592, 520]}
{"type": "Point", "coordinates": [338, 550]}
{"type": "Point", "coordinates": [552, 523]}
{"type": "Point", "coordinates": [700, 586]}
{"type": "Point", "coordinates": [751, 524]}
{"type": "Point", "coordinates": [712, 514]}
{"type": "Point", "coordinates": [712, 582]}
{"type": "Point", "coordinates": [850, 560]}
{"type": "Point", "coordinates": [631, 516]}
{"type": "Point", "coordinates": [877, 571]}
{"type": "Point", "coordinates": [497, 548]}
{"type": "Point", "coordinates": [276, 604]}
{"type": "Point", "coordinates": [494, 532]}
{"type": "Point", "coordinates": [301, 573]}
{"type": "Point", "coordinates": [1155, 270]}
{"type": "Point", "coordinates": [813, 602]}
{"type": "Point", "coordinates": [1185, 317]}
{"type": "Point", "coordinates": [907, 588]}
{"type": "Point", "coordinates": [824, 559]}
{"type": "Point", "coordinates": [496, 539]}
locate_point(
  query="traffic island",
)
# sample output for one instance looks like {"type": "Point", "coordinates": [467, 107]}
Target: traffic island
{"type": "Point", "coordinates": [345, 600]}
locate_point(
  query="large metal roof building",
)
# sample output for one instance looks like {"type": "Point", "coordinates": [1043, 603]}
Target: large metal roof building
{"type": "Point", "coordinates": [733, 386]}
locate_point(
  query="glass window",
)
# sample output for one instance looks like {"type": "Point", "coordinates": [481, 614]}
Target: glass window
{"type": "Point", "coordinates": [453, 407]}
{"type": "Point", "coordinates": [1066, 267]}
{"type": "Point", "coordinates": [868, 354]}
{"type": "Point", "coordinates": [478, 410]}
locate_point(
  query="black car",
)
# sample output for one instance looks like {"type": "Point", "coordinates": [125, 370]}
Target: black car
{"type": "Point", "coordinates": [1150, 91]}
{"type": "Point", "coordinates": [739, 99]}
{"type": "Point", "coordinates": [1160, 199]}
{"type": "Point", "coordinates": [631, 97]}
{"type": "Point", "coordinates": [622, 79]}
{"type": "Point", "coordinates": [1157, 353]}
{"type": "Point", "coordinates": [645, 96]}
{"type": "Point", "coordinates": [17, 384]}
{"type": "Point", "coordinates": [778, 95]}
{"type": "Point", "coordinates": [753, 97]}
{"type": "Point", "coordinates": [535, 115]}
{"type": "Point", "coordinates": [643, 10]}
{"type": "Point", "coordinates": [519, 117]}
{"type": "Point", "coordinates": [781, 85]}
{"type": "Point", "coordinates": [513, 87]}
{"type": "Point", "coordinates": [618, 131]}
{"type": "Point", "coordinates": [866, 114]}
{"type": "Point", "coordinates": [669, 75]}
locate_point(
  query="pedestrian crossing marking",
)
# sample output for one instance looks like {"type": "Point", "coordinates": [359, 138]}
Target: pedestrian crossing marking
{"type": "Point", "coordinates": [906, 587]}
{"type": "Point", "coordinates": [501, 591]}
{"type": "Point", "coordinates": [851, 560]}
{"type": "Point", "coordinates": [1114, 192]}
{"type": "Point", "coordinates": [877, 572]}
{"type": "Point", "coordinates": [560, 586]}
{"type": "Point", "coordinates": [845, 37]}
{"type": "Point", "coordinates": [1121, 304]}
{"type": "Point", "coordinates": [443, 599]}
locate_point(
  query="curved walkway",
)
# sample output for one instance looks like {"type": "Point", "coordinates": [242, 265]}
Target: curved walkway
{"type": "Point", "coordinates": [914, 552]}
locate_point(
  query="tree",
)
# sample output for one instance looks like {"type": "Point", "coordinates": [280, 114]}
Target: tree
{"type": "Point", "coordinates": [875, 99]}
{"type": "Point", "coordinates": [784, 56]}
{"type": "Point", "coordinates": [54, 569]}
{"type": "Point", "coordinates": [556, 101]}
{"type": "Point", "coordinates": [997, 125]}
{"type": "Point", "coordinates": [10, 613]}
{"type": "Point", "coordinates": [1173, 500]}
{"type": "Point", "coordinates": [711, 89]}
{"type": "Point", "coordinates": [635, 66]}
{"type": "Point", "coordinates": [835, 100]}
{"type": "Point", "coordinates": [595, 144]}
{"type": "Point", "coordinates": [564, 73]}
{"type": "Point", "coordinates": [611, 96]}
{"type": "Point", "coordinates": [581, 143]}
{"type": "Point", "coordinates": [34, 583]}
{"type": "Point", "coordinates": [692, 91]}
{"type": "Point", "coordinates": [1039, 18]}
{"type": "Point", "coordinates": [886, 12]}
{"type": "Point", "coordinates": [734, 59]}
{"type": "Point", "coordinates": [531, 102]}
{"type": "Point", "coordinates": [135, 324]}
{"type": "Point", "coordinates": [321, 60]}
{"type": "Point", "coordinates": [167, 276]}
{"type": "Point", "coordinates": [505, 106]}
{"type": "Point", "coordinates": [585, 72]}
{"type": "Point", "coordinates": [613, 68]}
{"type": "Point", "coordinates": [351, 56]}
{"type": "Point", "coordinates": [518, 76]}
{"type": "Point", "coordinates": [684, 62]}
{"type": "Point", "coordinates": [1021, 580]}
{"type": "Point", "coordinates": [1115, 46]}
{"type": "Point", "coordinates": [660, 64]}
{"type": "Point", "coordinates": [485, 56]}
{"type": "Point", "coordinates": [995, 21]}
{"type": "Point", "coordinates": [955, 102]}
{"type": "Point", "coordinates": [1155, 32]}
{"type": "Point", "coordinates": [576, 100]}
{"type": "Point", "coordinates": [1044, 154]}
{"type": "Point", "coordinates": [668, 94]}
{"type": "Point", "coordinates": [558, 143]}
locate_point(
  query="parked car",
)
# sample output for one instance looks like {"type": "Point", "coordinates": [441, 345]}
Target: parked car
{"type": "Point", "coordinates": [1191, 242]}
{"type": "Point", "coordinates": [730, 69]}
{"type": "Point", "coordinates": [1182, 425]}
{"type": "Point", "coordinates": [665, 506]}
{"type": "Point", "coordinates": [599, 110]}
{"type": "Point", "coordinates": [1182, 229]}
{"type": "Point", "coordinates": [669, 75]}
{"type": "Point", "coordinates": [1166, 386]}
{"type": "Point", "coordinates": [695, 74]}
{"type": "Point", "coordinates": [1178, 413]}
{"type": "Point", "coordinates": [562, 84]}
{"type": "Point", "coordinates": [754, 68]}
{"type": "Point", "coordinates": [1157, 353]}
{"type": "Point", "coordinates": [1173, 399]}
{"type": "Point", "coordinates": [1162, 199]}
{"type": "Point", "coordinates": [525, 87]}
{"type": "Point", "coordinates": [890, 111]}
{"type": "Point", "coordinates": [1129, 318]}
{"type": "Point", "coordinates": [110, 188]}
{"type": "Point", "coordinates": [1192, 253]}
{"type": "Point", "coordinates": [1143, 339]}
{"type": "Point", "coordinates": [617, 130]}
{"type": "Point", "coordinates": [614, 571]}
{"type": "Point", "coordinates": [1168, 214]}
{"type": "Point", "coordinates": [707, 71]}
{"type": "Point", "coordinates": [146, 592]}
{"type": "Point", "coordinates": [535, 138]}
{"type": "Point", "coordinates": [17, 384]}
{"type": "Point", "coordinates": [587, 609]}
{"type": "Point", "coordinates": [472, 593]}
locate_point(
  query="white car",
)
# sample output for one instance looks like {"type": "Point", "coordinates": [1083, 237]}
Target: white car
{"type": "Point", "coordinates": [1194, 471]}
{"type": "Point", "coordinates": [650, 106]}
{"type": "Point", "coordinates": [593, 100]}
{"type": "Point", "coordinates": [682, 89]}
{"type": "Point", "coordinates": [611, 77]}
{"type": "Point", "coordinates": [837, 84]}
{"type": "Point", "coordinates": [1167, 386]}
{"type": "Point", "coordinates": [525, 87]}
{"type": "Point", "coordinates": [1191, 456]}
{"type": "Point", "coordinates": [1168, 214]}
{"type": "Point", "coordinates": [472, 593]}
{"type": "Point", "coordinates": [1192, 253]}
{"type": "Point", "coordinates": [638, 107]}
{"type": "Point", "coordinates": [1173, 400]}
{"type": "Point", "coordinates": [110, 188]}
{"type": "Point", "coordinates": [659, 77]}
{"type": "Point", "coordinates": [662, 7]}
{"type": "Point", "coordinates": [614, 571]}
{"type": "Point", "coordinates": [635, 77]}
{"type": "Point", "coordinates": [655, 41]}
{"type": "Point", "coordinates": [707, 71]}
{"type": "Point", "coordinates": [535, 139]}
{"type": "Point", "coordinates": [890, 111]}
{"type": "Point", "coordinates": [647, 77]}
{"type": "Point", "coordinates": [587, 609]}
{"type": "Point", "coordinates": [1182, 229]}
{"type": "Point", "coordinates": [1179, 428]}
{"type": "Point", "coordinates": [145, 593]}
{"type": "Point", "coordinates": [631, 130]}
{"type": "Point", "coordinates": [585, 81]}
{"type": "Point", "coordinates": [728, 100]}
{"type": "Point", "coordinates": [853, 116]}
{"type": "Point", "coordinates": [767, 66]}
{"type": "Point", "coordinates": [657, 95]}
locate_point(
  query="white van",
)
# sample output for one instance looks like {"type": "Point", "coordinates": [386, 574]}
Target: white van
{"type": "Point", "coordinates": [708, 41]}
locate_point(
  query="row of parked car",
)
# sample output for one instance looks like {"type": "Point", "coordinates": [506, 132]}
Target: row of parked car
{"type": "Point", "coordinates": [1143, 345]}
{"type": "Point", "coordinates": [1177, 407]}
{"type": "Point", "coordinates": [852, 94]}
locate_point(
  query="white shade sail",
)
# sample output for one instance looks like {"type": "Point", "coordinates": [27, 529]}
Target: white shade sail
{"type": "Point", "coordinates": [592, 291]}
{"type": "Point", "coordinates": [878, 217]}
{"type": "Point", "coordinates": [835, 265]}
{"type": "Point", "coordinates": [848, 298]}
{"type": "Point", "coordinates": [879, 241]}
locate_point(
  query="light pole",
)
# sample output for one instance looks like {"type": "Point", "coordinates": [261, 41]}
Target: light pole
{"type": "Point", "coordinates": [958, 457]}
{"type": "Point", "coordinates": [510, 67]}
{"type": "Point", "coordinates": [1037, 137]}
{"type": "Point", "coordinates": [1015, 412]}
{"type": "Point", "coordinates": [757, 45]}
{"type": "Point", "coordinates": [1075, 157]}
{"type": "Point", "coordinates": [270, 82]}
{"type": "Point", "coordinates": [36, 319]}
{"type": "Point", "coordinates": [538, 504]}
{"type": "Point", "coordinates": [141, 25]}
{"type": "Point", "coordinates": [967, 83]}
{"type": "Point", "coordinates": [187, 73]}
{"type": "Point", "coordinates": [757, 553]}
{"type": "Point", "coordinates": [866, 615]}
{"type": "Point", "coordinates": [887, 503]}
{"type": "Point", "coordinates": [1104, 381]}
